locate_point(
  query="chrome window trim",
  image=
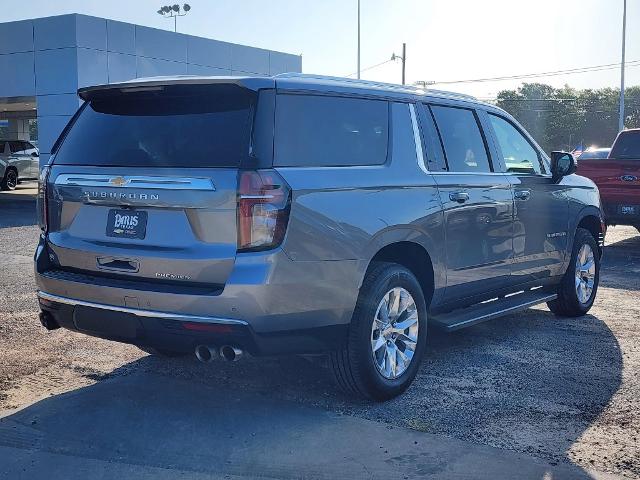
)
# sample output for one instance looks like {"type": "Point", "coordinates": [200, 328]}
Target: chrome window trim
{"type": "Point", "coordinates": [139, 312]}
{"type": "Point", "coordinates": [135, 181]}
{"type": "Point", "coordinates": [416, 138]}
{"type": "Point", "coordinates": [471, 173]}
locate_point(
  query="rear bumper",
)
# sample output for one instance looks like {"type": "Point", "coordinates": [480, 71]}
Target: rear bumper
{"type": "Point", "coordinates": [613, 216]}
{"type": "Point", "coordinates": [182, 333]}
{"type": "Point", "coordinates": [270, 304]}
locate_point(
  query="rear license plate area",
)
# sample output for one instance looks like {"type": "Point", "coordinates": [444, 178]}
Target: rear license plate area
{"type": "Point", "coordinates": [106, 323]}
{"type": "Point", "coordinates": [127, 223]}
{"type": "Point", "coordinates": [629, 209]}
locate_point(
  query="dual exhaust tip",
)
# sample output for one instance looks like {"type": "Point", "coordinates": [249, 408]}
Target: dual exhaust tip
{"type": "Point", "coordinates": [208, 353]}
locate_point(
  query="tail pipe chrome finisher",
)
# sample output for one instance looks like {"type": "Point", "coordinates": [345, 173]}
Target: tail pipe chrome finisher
{"type": "Point", "coordinates": [230, 353]}
{"type": "Point", "coordinates": [206, 353]}
{"type": "Point", "coordinates": [47, 321]}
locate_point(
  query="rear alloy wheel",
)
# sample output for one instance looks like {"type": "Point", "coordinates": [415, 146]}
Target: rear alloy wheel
{"type": "Point", "coordinates": [387, 335]}
{"type": "Point", "coordinates": [394, 333]}
{"type": "Point", "coordinates": [578, 288]}
{"type": "Point", "coordinates": [10, 180]}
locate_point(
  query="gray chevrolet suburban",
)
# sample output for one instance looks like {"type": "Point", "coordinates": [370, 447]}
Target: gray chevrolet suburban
{"type": "Point", "coordinates": [308, 215]}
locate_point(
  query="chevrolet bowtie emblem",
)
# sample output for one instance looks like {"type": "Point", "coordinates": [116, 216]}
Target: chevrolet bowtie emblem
{"type": "Point", "coordinates": [118, 181]}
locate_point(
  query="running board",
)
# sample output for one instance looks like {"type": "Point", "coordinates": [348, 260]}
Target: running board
{"type": "Point", "coordinates": [481, 312]}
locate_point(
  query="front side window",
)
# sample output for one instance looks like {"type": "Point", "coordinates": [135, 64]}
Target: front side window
{"type": "Point", "coordinates": [322, 131]}
{"type": "Point", "coordinates": [518, 154]}
{"type": "Point", "coordinates": [462, 141]}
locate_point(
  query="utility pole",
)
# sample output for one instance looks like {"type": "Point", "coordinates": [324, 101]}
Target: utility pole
{"type": "Point", "coordinates": [359, 39]}
{"type": "Point", "coordinates": [624, 32]}
{"type": "Point", "coordinates": [403, 58]}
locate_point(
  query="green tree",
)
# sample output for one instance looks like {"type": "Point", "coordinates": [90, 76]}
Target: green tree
{"type": "Point", "coordinates": [561, 118]}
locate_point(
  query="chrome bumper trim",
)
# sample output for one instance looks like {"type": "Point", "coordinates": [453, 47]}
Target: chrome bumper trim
{"type": "Point", "coordinates": [141, 313]}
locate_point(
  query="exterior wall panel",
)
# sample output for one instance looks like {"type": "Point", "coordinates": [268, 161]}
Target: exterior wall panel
{"type": "Point", "coordinates": [56, 71]}
{"type": "Point", "coordinates": [17, 78]}
{"type": "Point", "coordinates": [121, 37]}
{"type": "Point", "coordinates": [16, 37]}
{"type": "Point", "coordinates": [161, 44]}
{"type": "Point", "coordinates": [54, 32]}
{"type": "Point", "coordinates": [120, 66]}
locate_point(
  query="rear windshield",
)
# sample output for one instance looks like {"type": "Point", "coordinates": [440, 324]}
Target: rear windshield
{"type": "Point", "coordinates": [198, 126]}
{"type": "Point", "coordinates": [627, 146]}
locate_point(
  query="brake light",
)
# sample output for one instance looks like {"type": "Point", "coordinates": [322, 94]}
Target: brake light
{"type": "Point", "coordinates": [43, 179]}
{"type": "Point", "coordinates": [263, 209]}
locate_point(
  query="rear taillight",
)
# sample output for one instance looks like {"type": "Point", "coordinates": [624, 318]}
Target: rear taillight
{"type": "Point", "coordinates": [43, 179]}
{"type": "Point", "coordinates": [263, 209]}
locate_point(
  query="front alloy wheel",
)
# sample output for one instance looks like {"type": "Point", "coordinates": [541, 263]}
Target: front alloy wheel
{"type": "Point", "coordinates": [585, 273]}
{"type": "Point", "coordinates": [577, 290]}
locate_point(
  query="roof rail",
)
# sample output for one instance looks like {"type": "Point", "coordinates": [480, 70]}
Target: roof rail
{"type": "Point", "coordinates": [370, 83]}
{"type": "Point", "coordinates": [354, 81]}
{"type": "Point", "coordinates": [447, 93]}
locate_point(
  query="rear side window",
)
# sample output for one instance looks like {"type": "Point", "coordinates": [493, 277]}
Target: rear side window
{"type": "Point", "coordinates": [403, 144]}
{"type": "Point", "coordinates": [322, 131]}
{"type": "Point", "coordinates": [627, 146]}
{"type": "Point", "coordinates": [198, 126]}
{"type": "Point", "coordinates": [462, 141]}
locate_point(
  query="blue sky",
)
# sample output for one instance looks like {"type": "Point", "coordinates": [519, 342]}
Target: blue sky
{"type": "Point", "coordinates": [446, 39]}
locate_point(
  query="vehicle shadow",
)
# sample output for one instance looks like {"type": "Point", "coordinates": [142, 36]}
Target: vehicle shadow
{"type": "Point", "coordinates": [620, 259]}
{"type": "Point", "coordinates": [531, 383]}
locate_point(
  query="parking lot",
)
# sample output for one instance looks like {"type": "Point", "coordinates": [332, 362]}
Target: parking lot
{"type": "Point", "coordinates": [526, 394]}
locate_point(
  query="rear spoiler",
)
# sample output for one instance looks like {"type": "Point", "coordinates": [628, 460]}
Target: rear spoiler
{"type": "Point", "coordinates": [158, 83]}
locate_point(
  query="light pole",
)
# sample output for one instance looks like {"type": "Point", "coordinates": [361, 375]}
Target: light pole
{"type": "Point", "coordinates": [624, 32]}
{"type": "Point", "coordinates": [403, 58]}
{"type": "Point", "coordinates": [358, 39]}
{"type": "Point", "coordinates": [174, 11]}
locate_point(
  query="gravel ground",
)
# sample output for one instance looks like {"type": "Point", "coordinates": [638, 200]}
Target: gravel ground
{"type": "Point", "coordinates": [566, 390]}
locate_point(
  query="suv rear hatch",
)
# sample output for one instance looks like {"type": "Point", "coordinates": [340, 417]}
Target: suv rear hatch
{"type": "Point", "coordinates": [143, 185]}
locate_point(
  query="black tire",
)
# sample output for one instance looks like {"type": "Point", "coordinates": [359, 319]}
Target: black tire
{"type": "Point", "coordinates": [10, 180]}
{"type": "Point", "coordinates": [161, 352]}
{"type": "Point", "coordinates": [568, 304]}
{"type": "Point", "coordinates": [353, 365]}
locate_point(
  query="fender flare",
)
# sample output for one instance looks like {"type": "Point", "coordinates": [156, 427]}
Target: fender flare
{"type": "Point", "coordinates": [435, 250]}
{"type": "Point", "coordinates": [587, 211]}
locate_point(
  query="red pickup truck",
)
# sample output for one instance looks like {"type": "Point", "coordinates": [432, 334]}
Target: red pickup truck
{"type": "Point", "coordinates": [618, 179]}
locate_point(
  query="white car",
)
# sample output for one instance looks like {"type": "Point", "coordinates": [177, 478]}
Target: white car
{"type": "Point", "coordinates": [18, 161]}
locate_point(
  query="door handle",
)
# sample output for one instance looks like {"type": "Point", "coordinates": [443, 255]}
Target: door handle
{"type": "Point", "coordinates": [459, 197]}
{"type": "Point", "coordinates": [522, 194]}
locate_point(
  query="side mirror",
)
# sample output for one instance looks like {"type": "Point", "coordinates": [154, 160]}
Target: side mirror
{"type": "Point", "coordinates": [562, 164]}
{"type": "Point", "coordinates": [35, 154]}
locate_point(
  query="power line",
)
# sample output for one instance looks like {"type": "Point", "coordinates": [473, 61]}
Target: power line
{"type": "Point", "coordinates": [571, 71]}
{"type": "Point", "coordinates": [370, 68]}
